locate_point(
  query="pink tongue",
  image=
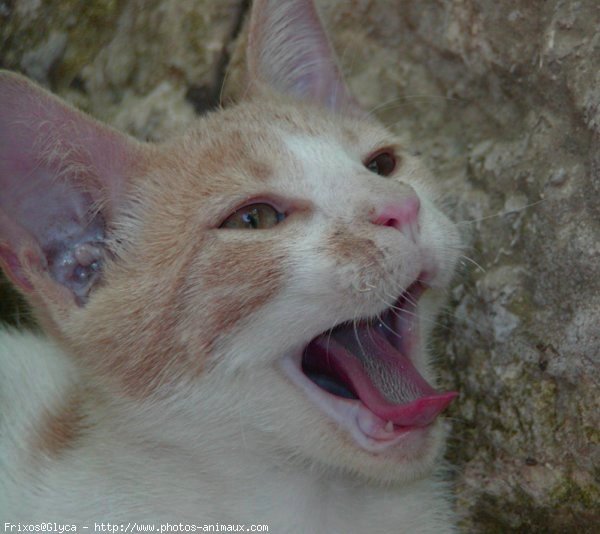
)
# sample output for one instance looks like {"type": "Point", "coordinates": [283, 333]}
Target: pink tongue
{"type": "Point", "coordinates": [383, 378]}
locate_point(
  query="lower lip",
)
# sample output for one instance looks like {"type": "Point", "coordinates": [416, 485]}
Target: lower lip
{"type": "Point", "coordinates": [374, 441]}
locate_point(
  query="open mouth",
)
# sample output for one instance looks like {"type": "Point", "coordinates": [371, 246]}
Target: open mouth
{"type": "Point", "coordinates": [361, 374]}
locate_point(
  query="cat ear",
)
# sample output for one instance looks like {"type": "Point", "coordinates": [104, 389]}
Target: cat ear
{"type": "Point", "coordinates": [289, 51]}
{"type": "Point", "coordinates": [61, 177]}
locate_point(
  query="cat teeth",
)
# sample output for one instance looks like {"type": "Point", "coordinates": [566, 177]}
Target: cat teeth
{"type": "Point", "coordinates": [389, 427]}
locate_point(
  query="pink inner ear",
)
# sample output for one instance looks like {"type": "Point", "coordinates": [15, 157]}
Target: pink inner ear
{"type": "Point", "coordinates": [60, 175]}
{"type": "Point", "coordinates": [288, 50]}
{"type": "Point", "coordinates": [12, 267]}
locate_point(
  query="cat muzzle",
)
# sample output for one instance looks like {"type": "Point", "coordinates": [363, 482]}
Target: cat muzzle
{"type": "Point", "coordinates": [362, 374]}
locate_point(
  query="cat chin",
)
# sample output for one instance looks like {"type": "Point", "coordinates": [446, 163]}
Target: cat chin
{"type": "Point", "coordinates": [328, 447]}
{"type": "Point", "coordinates": [411, 459]}
{"type": "Point", "coordinates": [369, 432]}
{"type": "Point", "coordinates": [351, 438]}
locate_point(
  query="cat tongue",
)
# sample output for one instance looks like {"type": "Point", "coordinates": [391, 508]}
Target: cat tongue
{"type": "Point", "coordinates": [382, 377]}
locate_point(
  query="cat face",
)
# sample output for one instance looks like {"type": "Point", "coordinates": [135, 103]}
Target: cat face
{"type": "Point", "coordinates": [269, 277]}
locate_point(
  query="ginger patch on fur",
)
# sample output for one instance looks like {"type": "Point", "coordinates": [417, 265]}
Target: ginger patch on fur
{"type": "Point", "coordinates": [345, 247]}
{"type": "Point", "coordinates": [59, 429]}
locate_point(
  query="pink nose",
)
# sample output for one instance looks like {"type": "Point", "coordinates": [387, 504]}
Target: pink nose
{"type": "Point", "coordinates": [402, 215]}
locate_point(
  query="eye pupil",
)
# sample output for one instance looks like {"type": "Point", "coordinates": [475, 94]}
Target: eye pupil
{"type": "Point", "coordinates": [251, 218]}
{"type": "Point", "coordinates": [254, 217]}
{"type": "Point", "coordinates": [383, 163]}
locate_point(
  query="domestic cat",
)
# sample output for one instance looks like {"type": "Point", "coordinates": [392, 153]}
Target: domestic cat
{"type": "Point", "coordinates": [236, 321]}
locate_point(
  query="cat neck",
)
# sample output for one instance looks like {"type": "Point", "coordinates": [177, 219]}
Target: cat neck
{"type": "Point", "coordinates": [241, 479]}
{"type": "Point", "coordinates": [238, 482]}
{"type": "Point", "coordinates": [85, 440]}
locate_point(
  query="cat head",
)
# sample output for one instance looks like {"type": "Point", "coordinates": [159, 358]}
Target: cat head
{"type": "Point", "coordinates": [269, 277]}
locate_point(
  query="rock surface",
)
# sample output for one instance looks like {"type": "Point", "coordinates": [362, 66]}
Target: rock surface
{"type": "Point", "coordinates": [502, 99]}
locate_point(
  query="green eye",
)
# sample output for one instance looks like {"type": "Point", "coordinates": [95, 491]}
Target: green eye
{"type": "Point", "coordinates": [254, 217]}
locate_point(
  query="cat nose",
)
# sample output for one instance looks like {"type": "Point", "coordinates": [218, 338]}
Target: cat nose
{"type": "Point", "coordinates": [401, 214]}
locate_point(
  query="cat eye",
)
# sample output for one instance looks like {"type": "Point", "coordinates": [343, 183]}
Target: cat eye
{"type": "Point", "coordinates": [382, 163]}
{"type": "Point", "coordinates": [254, 217]}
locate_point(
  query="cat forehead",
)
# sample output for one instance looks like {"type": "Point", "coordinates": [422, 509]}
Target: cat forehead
{"type": "Point", "coordinates": [259, 144]}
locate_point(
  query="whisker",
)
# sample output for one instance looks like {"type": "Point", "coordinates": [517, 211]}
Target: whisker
{"type": "Point", "coordinates": [354, 322]}
{"type": "Point", "coordinates": [391, 330]}
{"type": "Point", "coordinates": [329, 334]}
{"type": "Point", "coordinates": [471, 260]}
{"type": "Point", "coordinates": [501, 214]}
{"type": "Point", "coordinates": [405, 296]}
{"type": "Point", "coordinates": [370, 330]}
{"type": "Point", "coordinates": [397, 311]}
{"type": "Point", "coordinates": [402, 100]}
{"type": "Point", "coordinates": [437, 324]}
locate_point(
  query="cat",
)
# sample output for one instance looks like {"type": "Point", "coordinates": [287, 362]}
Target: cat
{"type": "Point", "coordinates": [234, 321]}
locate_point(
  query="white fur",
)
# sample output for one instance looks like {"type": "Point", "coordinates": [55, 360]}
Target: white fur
{"type": "Point", "coordinates": [117, 476]}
